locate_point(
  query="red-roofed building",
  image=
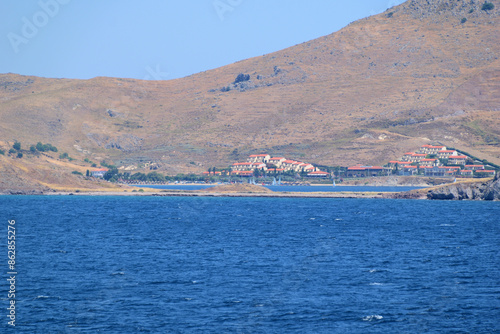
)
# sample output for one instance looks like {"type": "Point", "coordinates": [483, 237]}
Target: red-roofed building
{"type": "Point", "coordinates": [457, 159]}
{"type": "Point", "coordinates": [417, 157]}
{"type": "Point", "coordinates": [429, 149]}
{"type": "Point", "coordinates": [445, 154]}
{"type": "Point", "coordinates": [428, 162]}
{"type": "Point", "coordinates": [259, 158]}
{"type": "Point", "coordinates": [277, 161]}
{"type": "Point", "coordinates": [407, 156]}
{"type": "Point", "coordinates": [467, 173]}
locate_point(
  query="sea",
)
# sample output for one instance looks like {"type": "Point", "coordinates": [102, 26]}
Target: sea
{"type": "Point", "coordinates": [127, 264]}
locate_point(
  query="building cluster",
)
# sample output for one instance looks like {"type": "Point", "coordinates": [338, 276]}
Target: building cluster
{"type": "Point", "coordinates": [274, 165]}
{"type": "Point", "coordinates": [432, 160]}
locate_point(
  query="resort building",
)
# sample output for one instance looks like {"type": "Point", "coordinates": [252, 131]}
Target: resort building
{"type": "Point", "coordinates": [474, 167]}
{"type": "Point", "coordinates": [259, 158]}
{"type": "Point", "coordinates": [457, 159]}
{"type": "Point", "coordinates": [98, 172]}
{"type": "Point", "coordinates": [445, 154]}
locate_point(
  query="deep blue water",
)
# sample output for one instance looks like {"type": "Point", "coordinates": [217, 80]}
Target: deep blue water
{"type": "Point", "coordinates": [252, 265]}
{"type": "Point", "coordinates": [325, 188]}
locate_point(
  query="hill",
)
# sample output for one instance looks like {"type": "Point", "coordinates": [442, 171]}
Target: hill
{"type": "Point", "coordinates": [424, 71]}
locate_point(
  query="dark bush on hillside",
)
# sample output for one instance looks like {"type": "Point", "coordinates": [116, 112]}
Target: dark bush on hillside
{"type": "Point", "coordinates": [45, 147]}
{"type": "Point", "coordinates": [16, 146]}
{"type": "Point", "coordinates": [487, 6]}
{"type": "Point", "coordinates": [242, 77]}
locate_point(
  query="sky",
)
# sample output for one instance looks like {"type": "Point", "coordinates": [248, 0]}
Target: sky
{"type": "Point", "coordinates": [160, 39]}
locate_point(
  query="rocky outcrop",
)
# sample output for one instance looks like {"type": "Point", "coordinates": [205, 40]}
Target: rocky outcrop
{"type": "Point", "coordinates": [489, 191]}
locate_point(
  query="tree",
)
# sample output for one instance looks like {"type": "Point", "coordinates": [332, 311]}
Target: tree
{"type": "Point", "coordinates": [16, 146]}
{"type": "Point", "coordinates": [2, 152]}
{"type": "Point", "coordinates": [39, 147]}
{"type": "Point", "coordinates": [19, 155]}
{"type": "Point", "coordinates": [12, 151]}
{"type": "Point", "coordinates": [487, 6]}
{"type": "Point", "coordinates": [110, 174]}
{"type": "Point", "coordinates": [32, 148]}
{"type": "Point", "coordinates": [87, 174]}
{"type": "Point", "coordinates": [242, 77]}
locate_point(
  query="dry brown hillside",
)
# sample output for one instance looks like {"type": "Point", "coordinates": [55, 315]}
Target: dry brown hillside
{"type": "Point", "coordinates": [415, 74]}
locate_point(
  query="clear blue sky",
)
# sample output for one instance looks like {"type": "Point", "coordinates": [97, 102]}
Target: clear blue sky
{"type": "Point", "coordinates": [160, 39]}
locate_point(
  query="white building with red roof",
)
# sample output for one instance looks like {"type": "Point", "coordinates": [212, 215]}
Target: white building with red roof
{"type": "Point", "coordinates": [259, 158]}
{"type": "Point", "coordinates": [457, 159]}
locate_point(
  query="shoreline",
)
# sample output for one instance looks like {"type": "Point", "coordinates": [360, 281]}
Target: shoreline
{"type": "Point", "coordinates": [372, 195]}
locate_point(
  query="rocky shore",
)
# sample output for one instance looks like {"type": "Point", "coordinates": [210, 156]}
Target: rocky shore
{"type": "Point", "coordinates": [481, 190]}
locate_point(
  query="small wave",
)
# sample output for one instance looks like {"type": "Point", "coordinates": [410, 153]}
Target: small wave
{"type": "Point", "coordinates": [373, 270]}
{"type": "Point", "coordinates": [373, 317]}
{"type": "Point", "coordinates": [448, 225]}
{"type": "Point", "coordinates": [375, 283]}
{"type": "Point", "coordinates": [42, 297]}
{"type": "Point", "coordinates": [118, 273]}
{"type": "Point", "coordinates": [312, 218]}
{"type": "Point", "coordinates": [338, 219]}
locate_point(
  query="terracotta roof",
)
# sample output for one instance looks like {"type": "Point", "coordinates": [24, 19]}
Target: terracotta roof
{"type": "Point", "coordinates": [446, 151]}
{"type": "Point", "coordinates": [410, 167]}
{"type": "Point", "coordinates": [289, 161]}
{"type": "Point", "coordinates": [319, 172]}
{"type": "Point", "coordinates": [356, 168]}
{"type": "Point", "coordinates": [409, 153]}
{"type": "Point", "coordinates": [276, 158]}
{"type": "Point", "coordinates": [258, 155]}
{"type": "Point", "coordinates": [458, 157]}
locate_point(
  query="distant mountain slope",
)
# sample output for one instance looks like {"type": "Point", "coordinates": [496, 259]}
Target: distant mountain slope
{"type": "Point", "coordinates": [424, 71]}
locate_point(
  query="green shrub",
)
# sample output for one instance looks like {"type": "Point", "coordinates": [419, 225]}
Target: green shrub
{"type": "Point", "coordinates": [32, 148]}
{"type": "Point", "coordinates": [12, 151]}
{"type": "Point", "coordinates": [2, 152]}
{"type": "Point", "coordinates": [242, 77]}
{"type": "Point", "coordinates": [390, 14]}
{"type": "Point", "coordinates": [16, 146]}
{"type": "Point", "coordinates": [76, 173]}
{"type": "Point", "coordinates": [19, 155]}
{"type": "Point", "coordinates": [63, 156]}
{"type": "Point", "coordinates": [487, 6]}
{"type": "Point", "coordinates": [463, 20]}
